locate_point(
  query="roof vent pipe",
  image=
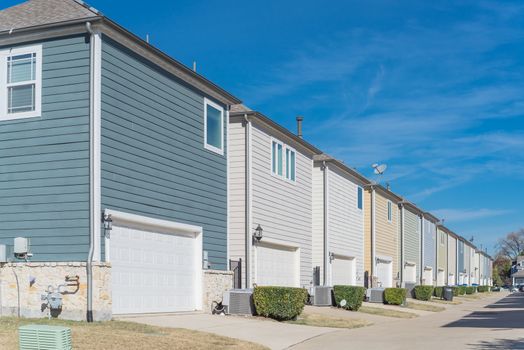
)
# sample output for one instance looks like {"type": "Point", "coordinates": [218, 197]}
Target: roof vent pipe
{"type": "Point", "coordinates": [299, 126]}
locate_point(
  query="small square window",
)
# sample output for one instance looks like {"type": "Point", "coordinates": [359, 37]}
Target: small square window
{"type": "Point", "coordinates": [213, 127]}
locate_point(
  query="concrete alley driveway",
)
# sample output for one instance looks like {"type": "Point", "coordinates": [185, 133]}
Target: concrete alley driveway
{"type": "Point", "coordinates": [272, 334]}
{"type": "Point", "coordinates": [489, 323]}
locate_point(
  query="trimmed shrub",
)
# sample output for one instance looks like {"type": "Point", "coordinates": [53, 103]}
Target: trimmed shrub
{"type": "Point", "coordinates": [483, 289]}
{"type": "Point", "coordinates": [279, 303]}
{"type": "Point", "coordinates": [438, 292]}
{"type": "Point", "coordinates": [354, 296]}
{"type": "Point", "coordinates": [423, 292]}
{"type": "Point", "coordinates": [471, 290]}
{"type": "Point", "coordinates": [395, 296]}
{"type": "Point", "coordinates": [461, 290]}
{"type": "Point", "coordinates": [455, 291]}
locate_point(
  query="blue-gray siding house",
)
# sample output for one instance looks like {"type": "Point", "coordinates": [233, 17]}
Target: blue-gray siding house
{"type": "Point", "coordinates": [111, 151]}
{"type": "Point", "coordinates": [429, 249]}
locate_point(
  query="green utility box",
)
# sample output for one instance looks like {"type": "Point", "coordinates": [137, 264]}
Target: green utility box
{"type": "Point", "coordinates": [42, 337]}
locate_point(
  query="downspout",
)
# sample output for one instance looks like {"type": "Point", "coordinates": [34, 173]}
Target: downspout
{"type": "Point", "coordinates": [422, 266]}
{"type": "Point", "coordinates": [457, 261]}
{"type": "Point", "coordinates": [402, 248]}
{"type": "Point", "coordinates": [373, 235]}
{"type": "Point", "coordinates": [325, 224]}
{"type": "Point", "coordinates": [247, 174]}
{"type": "Point", "coordinates": [89, 265]}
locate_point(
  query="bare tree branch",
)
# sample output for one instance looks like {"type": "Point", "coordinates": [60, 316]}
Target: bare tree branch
{"type": "Point", "coordinates": [512, 245]}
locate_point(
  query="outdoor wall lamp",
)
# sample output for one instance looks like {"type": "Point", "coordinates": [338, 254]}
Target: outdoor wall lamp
{"type": "Point", "coordinates": [259, 231]}
{"type": "Point", "coordinates": [331, 257]}
{"type": "Point", "coordinates": [108, 224]}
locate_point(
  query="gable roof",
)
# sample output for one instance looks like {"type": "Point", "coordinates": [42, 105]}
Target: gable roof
{"type": "Point", "coordinates": [42, 19]}
{"type": "Point", "coordinates": [39, 12]}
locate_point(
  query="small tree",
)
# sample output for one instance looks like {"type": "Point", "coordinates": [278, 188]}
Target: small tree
{"type": "Point", "coordinates": [501, 270]}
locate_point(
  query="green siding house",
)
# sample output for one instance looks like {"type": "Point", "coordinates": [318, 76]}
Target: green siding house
{"type": "Point", "coordinates": [113, 165]}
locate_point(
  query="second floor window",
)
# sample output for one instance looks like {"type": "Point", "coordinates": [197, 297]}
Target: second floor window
{"type": "Point", "coordinates": [213, 127]}
{"type": "Point", "coordinates": [360, 199]}
{"type": "Point", "coordinates": [21, 82]}
{"type": "Point", "coordinates": [390, 211]}
{"type": "Point", "coordinates": [283, 160]}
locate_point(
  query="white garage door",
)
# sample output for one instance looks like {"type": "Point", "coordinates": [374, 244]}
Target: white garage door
{"type": "Point", "coordinates": [277, 266]}
{"type": "Point", "coordinates": [343, 271]}
{"type": "Point", "coordinates": [385, 273]}
{"type": "Point", "coordinates": [441, 277]}
{"type": "Point", "coordinates": [451, 279]}
{"type": "Point", "coordinates": [410, 273]}
{"type": "Point", "coordinates": [153, 271]}
{"type": "Point", "coordinates": [428, 276]}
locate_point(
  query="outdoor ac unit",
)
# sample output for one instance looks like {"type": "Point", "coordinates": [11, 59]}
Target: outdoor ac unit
{"type": "Point", "coordinates": [409, 287]}
{"type": "Point", "coordinates": [321, 296]}
{"type": "Point", "coordinates": [3, 255]}
{"type": "Point", "coordinates": [239, 302]}
{"type": "Point", "coordinates": [375, 295]}
{"type": "Point", "coordinates": [40, 337]}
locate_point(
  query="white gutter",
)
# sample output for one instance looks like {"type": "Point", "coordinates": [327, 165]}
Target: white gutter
{"type": "Point", "coordinates": [325, 224]}
{"type": "Point", "coordinates": [402, 248]}
{"type": "Point", "coordinates": [95, 42]}
{"type": "Point", "coordinates": [421, 248]}
{"type": "Point", "coordinates": [373, 236]}
{"type": "Point", "coordinates": [247, 174]}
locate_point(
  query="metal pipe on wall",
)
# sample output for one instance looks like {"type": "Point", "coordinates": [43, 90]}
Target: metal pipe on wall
{"type": "Point", "coordinates": [247, 198]}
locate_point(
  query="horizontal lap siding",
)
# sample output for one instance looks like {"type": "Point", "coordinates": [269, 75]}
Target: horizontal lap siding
{"type": "Point", "coordinates": [281, 207]}
{"type": "Point", "coordinates": [460, 262]}
{"type": "Point", "coordinates": [237, 199]}
{"type": "Point", "coordinates": [44, 162]}
{"type": "Point", "coordinates": [346, 221]}
{"type": "Point", "coordinates": [452, 256]}
{"type": "Point", "coordinates": [367, 233]}
{"type": "Point", "coordinates": [412, 239]}
{"type": "Point", "coordinates": [387, 239]}
{"type": "Point", "coordinates": [442, 250]}
{"type": "Point", "coordinates": [153, 158]}
{"type": "Point", "coordinates": [430, 241]}
{"type": "Point", "coordinates": [318, 220]}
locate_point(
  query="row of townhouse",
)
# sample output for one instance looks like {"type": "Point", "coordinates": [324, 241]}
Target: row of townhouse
{"type": "Point", "coordinates": [131, 184]}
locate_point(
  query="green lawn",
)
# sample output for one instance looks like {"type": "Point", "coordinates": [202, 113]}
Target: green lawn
{"type": "Point", "coordinates": [118, 335]}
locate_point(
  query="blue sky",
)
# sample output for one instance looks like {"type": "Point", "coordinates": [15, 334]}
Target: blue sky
{"type": "Point", "coordinates": [433, 89]}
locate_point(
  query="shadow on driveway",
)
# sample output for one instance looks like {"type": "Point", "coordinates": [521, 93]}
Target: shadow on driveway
{"type": "Point", "coordinates": [496, 318]}
{"type": "Point", "coordinates": [499, 344]}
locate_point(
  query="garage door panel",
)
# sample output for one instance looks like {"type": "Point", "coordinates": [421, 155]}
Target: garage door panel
{"type": "Point", "coordinates": [276, 266]}
{"type": "Point", "coordinates": [152, 271]}
{"type": "Point", "coordinates": [342, 271]}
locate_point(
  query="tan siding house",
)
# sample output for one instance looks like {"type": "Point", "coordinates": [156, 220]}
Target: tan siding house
{"type": "Point", "coordinates": [442, 256]}
{"type": "Point", "coordinates": [383, 237]}
{"type": "Point", "coordinates": [452, 260]}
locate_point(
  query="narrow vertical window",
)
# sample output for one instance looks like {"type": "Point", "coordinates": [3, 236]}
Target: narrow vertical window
{"type": "Point", "coordinates": [279, 157]}
{"type": "Point", "coordinates": [21, 81]}
{"type": "Point", "coordinates": [390, 212]}
{"type": "Point", "coordinates": [274, 157]}
{"type": "Point", "coordinates": [293, 165]}
{"type": "Point", "coordinates": [214, 127]}
{"type": "Point", "coordinates": [360, 199]}
{"type": "Point", "coordinates": [288, 161]}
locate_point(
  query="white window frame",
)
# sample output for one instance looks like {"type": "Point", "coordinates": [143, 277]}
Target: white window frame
{"type": "Point", "coordinates": [4, 54]}
{"type": "Point", "coordinates": [285, 149]}
{"type": "Point", "coordinates": [207, 146]}
{"type": "Point", "coordinates": [389, 210]}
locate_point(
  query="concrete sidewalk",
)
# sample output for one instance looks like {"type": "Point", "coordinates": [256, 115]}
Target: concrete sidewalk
{"type": "Point", "coordinates": [494, 322]}
{"type": "Point", "coordinates": [275, 335]}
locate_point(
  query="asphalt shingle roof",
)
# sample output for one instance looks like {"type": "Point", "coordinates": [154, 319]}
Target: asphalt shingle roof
{"type": "Point", "coordinates": [39, 12]}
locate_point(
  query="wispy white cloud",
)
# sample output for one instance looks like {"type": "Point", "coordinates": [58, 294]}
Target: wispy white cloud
{"type": "Point", "coordinates": [460, 215]}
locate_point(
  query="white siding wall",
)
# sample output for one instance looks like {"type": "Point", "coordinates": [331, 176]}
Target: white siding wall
{"type": "Point", "coordinates": [237, 194]}
{"type": "Point", "coordinates": [318, 220]}
{"type": "Point", "coordinates": [346, 221]}
{"type": "Point", "coordinates": [283, 208]}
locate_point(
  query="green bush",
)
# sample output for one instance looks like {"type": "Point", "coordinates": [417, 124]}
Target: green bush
{"type": "Point", "coordinates": [438, 292]}
{"type": "Point", "coordinates": [395, 296]}
{"type": "Point", "coordinates": [461, 290]}
{"type": "Point", "coordinates": [483, 289]}
{"type": "Point", "coordinates": [423, 292]}
{"type": "Point", "coordinates": [280, 303]}
{"type": "Point", "coordinates": [455, 291]}
{"type": "Point", "coordinates": [354, 296]}
{"type": "Point", "coordinates": [471, 290]}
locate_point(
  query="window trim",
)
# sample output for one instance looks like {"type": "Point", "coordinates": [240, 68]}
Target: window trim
{"type": "Point", "coordinates": [208, 102]}
{"type": "Point", "coordinates": [389, 209]}
{"type": "Point", "coordinates": [4, 54]}
{"type": "Point", "coordinates": [274, 162]}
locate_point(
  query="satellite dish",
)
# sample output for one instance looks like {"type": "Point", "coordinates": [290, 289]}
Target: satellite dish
{"type": "Point", "coordinates": [379, 169]}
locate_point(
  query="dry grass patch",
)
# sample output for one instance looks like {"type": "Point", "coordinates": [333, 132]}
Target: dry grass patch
{"type": "Point", "coordinates": [441, 301]}
{"type": "Point", "coordinates": [425, 307]}
{"type": "Point", "coordinates": [318, 320]}
{"type": "Point", "coordinates": [386, 312]}
{"type": "Point", "coordinates": [119, 335]}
